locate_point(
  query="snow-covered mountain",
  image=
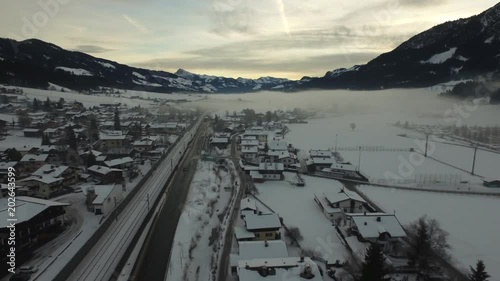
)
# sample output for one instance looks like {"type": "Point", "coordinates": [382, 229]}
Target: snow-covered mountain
{"type": "Point", "coordinates": [456, 50]}
{"type": "Point", "coordinates": [34, 63]}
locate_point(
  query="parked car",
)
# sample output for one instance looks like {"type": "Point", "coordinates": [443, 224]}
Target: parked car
{"type": "Point", "coordinates": [28, 269]}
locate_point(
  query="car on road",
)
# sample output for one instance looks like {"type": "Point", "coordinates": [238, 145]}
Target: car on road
{"type": "Point", "coordinates": [28, 269]}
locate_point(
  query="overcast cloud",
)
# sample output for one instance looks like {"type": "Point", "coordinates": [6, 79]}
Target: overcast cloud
{"type": "Point", "coordinates": [247, 38]}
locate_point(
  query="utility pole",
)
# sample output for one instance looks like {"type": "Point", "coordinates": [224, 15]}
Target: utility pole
{"type": "Point", "coordinates": [474, 160]}
{"type": "Point", "coordinates": [148, 200]}
{"type": "Point", "coordinates": [426, 142]}
{"type": "Point", "coordinates": [359, 159]}
{"type": "Point", "coordinates": [336, 138]}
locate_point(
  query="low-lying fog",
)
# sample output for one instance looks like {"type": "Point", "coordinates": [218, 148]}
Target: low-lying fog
{"type": "Point", "coordinates": [395, 104]}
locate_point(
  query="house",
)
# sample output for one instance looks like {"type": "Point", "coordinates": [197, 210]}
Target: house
{"type": "Point", "coordinates": [32, 162]}
{"type": "Point", "coordinates": [320, 153]}
{"type": "Point", "coordinates": [277, 145]}
{"type": "Point", "coordinates": [491, 183]}
{"type": "Point", "coordinates": [106, 175]}
{"type": "Point", "coordinates": [282, 156]}
{"type": "Point", "coordinates": [336, 204]}
{"type": "Point", "coordinates": [53, 132]}
{"type": "Point", "coordinates": [37, 220]}
{"type": "Point", "coordinates": [221, 143]}
{"type": "Point", "coordinates": [249, 250]}
{"type": "Point", "coordinates": [120, 163]}
{"type": "Point", "coordinates": [277, 269]}
{"type": "Point", "coordinates": [384, 229]}
{"type": "Point", "coordinates": [145, 144]}
{"type": "Point", "coordinates": [247, 206]}
{"type": "Point", "coordinates": [271, 171]}
{"type": "Point", "coordinates": [264, 227]}
{"type": "Point", "coordinates": [317, 164]}
{"type": "Point", "coordinates": [113, 141]}
{"type": "Point", "coordinates": [32, 133]}
{"type": "Point", "coordinates": [259, 135]}
{"type": "Point", "coordinates": [56, 153]}
{"type": "Point", "coordinates": [102, 199]}
{"type": "Point", "coordinates": [49, 180]}
{"type": "Point", "coordinates": [4, 170]}
{"type": "Point", "coordinates": [249, 153]}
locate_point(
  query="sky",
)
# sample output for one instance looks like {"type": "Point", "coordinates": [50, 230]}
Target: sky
{"type": "Point", "coordinates": [234, 38]}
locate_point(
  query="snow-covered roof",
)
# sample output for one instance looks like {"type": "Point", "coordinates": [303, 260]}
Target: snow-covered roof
{"type": "Point", "coordinates": [342, 195]}
{"type": "Point", "coordinates": [271, 167]}
{"type": "Point", "coordinates": [119, 161]}
{"type": "Point", "coordinates": [248, 137]}
{"type": "Point", "coordinates": [322, 160]}
{"type": "Point", "coordinates": [103, 192]}
{"type": "Point", "coordinates": [262, 249]}
{"type": "Point", "coordinates": [278, 145]}
{"type": "Point", "coordinates": [219, 140]}
{"type": "Point", "coordinates": [268, 221]}
{"type": "Point", "coordinates": [31, 130]}
{"type": "Point", "coordinates": [249, 149]}
{"type": "Point", "coordinates": [34, 158]}
{"type": "Point", "coordinates": [4, 166]}
{"type": "Point", "coordinates": [279, 153]}
{"type": "Point", "coordinates": [320, 153]}
{"type": "Point", "coordinates": [243, 233]}
{"type": "Point", "coordinates": [290, 267]}
{"type": "Point", "coordinates": [111, 137]}
{"type": "Point", "coordinates": [371, 226]}
{"type": "Point", "coordinates": [343, 166]}
{"type": "Point", "coordinates": [248, 204]}
{"type": "Point", "coordinates": [249, 142]}
{"type": "Point", "coordinates": [50, 170]}
{"type": "Point", "coordinates": [143, 143]}
{"type": "Point", "coordinates": [102, 169]}
{"type": "Point", "coordinates": [26, 208]}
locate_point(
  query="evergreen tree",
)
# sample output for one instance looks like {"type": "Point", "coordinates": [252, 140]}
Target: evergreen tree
{"type": "Point", "coordinates": [35, 105]}
{"type": "Point", "coordinates": [479, 273]}
{"type": "Point", "coordinates": [118, 126]}
{"type": "Point", "coordinates": [45, 139]}
{"type": "Point", "coordinates": [94, 129]}
{"type": "Point", "coordinates": [14, 155]}
{"type": "Point", "coordinates": [4, 99]}
{"type": "Point", "coordinates": [422, 245]}
{"type": "Point", "coordinates": [374, 266]}
{"type": "Point", "coordinates": [91, 160]}
{"type": "Point", "coordinates": [71, 138]}
{"type": "Point", "coordinates": [46, 105]}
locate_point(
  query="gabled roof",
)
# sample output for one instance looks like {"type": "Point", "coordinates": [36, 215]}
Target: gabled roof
{"type": "Point", "coordinates": [278, 145]}
{"type": "Point", "coordinates": [257, 222]}
{"type": "Point", "coordinates": [371, 226]}
{"type": "Point", "coordinates": [102, 169]}
{"type": "Point", "coordinates": [248, 204]}
{"type": "Point", "coordinates": [26, 208]}
{"type": "Point", "coordinates": [34, 158]}
{"type": "Point", "coordinates": [342, 195]}
{"type": "Point", "coordinates": [320, 153]}
{"type": "Point", "coordinates": [119, 161]}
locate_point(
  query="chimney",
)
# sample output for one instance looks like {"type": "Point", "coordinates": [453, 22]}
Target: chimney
{"type": "Point", "coordinates": [379, 219]}
{"type": "Point", "coordinates": [302, 259]}
{"type": "Point", "coordinates": [366, 223]}
{"type": "Point", "coordinates": [266, 244]}
{"type": "Point", "coordinates": [365, 213]}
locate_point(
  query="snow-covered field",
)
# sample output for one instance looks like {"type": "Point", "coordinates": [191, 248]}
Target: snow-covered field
{"type": "Point", "coordinates": [94, 100]}
{"type": "Point", "coordinates": [192, 257]}
{"type": "Point", "coordinates": [18, 141]}
{"type": "Point", "coordinates": [297, 207]}
{"type": "Point", "coordinates": [472, 221]}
